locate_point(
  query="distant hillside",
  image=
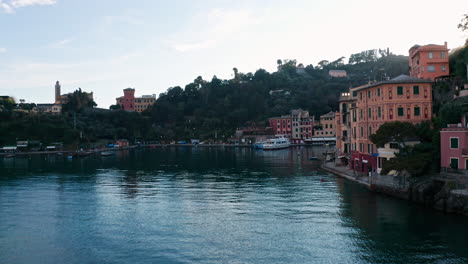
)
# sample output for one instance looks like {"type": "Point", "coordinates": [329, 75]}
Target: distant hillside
{"type": "Point", "coordinates": [202, 107]}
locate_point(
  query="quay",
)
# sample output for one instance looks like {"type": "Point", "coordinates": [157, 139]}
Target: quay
{"type": "Point", "coordinates": [445, 192]}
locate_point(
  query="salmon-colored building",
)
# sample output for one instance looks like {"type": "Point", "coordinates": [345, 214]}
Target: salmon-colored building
{"type": "Point", "coordinates": [429, 61]}
{"type": "Point", "coordinates": [129, 102]}
{"type": "Point", "coordinates": [404, 98]}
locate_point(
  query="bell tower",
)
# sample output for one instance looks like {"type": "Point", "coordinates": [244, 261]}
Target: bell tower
{"type": "Point", "coordinates": [57, 92]}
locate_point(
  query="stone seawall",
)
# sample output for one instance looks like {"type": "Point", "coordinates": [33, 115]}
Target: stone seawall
{"type": "Point", "coordinates": [448, 193]}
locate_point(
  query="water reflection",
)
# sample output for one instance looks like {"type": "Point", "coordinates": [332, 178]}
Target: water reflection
{"type": "Point", "coordinates": [210, 205]}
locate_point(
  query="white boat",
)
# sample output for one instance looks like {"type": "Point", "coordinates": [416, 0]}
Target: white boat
{"type": "Point", "coordinates": [276, 143]}
{"type": "Point", "coordinates": [107, 153]}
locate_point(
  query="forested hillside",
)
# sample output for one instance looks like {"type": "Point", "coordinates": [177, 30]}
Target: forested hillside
{"type": "Point", "coordinates": [204, 108]}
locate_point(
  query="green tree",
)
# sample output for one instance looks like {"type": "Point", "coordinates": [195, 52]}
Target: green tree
{"type": "Point", "coordinates": [79, 101]}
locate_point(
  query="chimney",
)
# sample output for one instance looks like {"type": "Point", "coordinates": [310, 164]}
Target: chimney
{"type": "Point", "coordinates": [445, 43]}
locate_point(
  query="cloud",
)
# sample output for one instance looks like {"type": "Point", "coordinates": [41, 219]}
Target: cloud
{"type": "Point", "coordinates": [3, 50]}
{"type": "Point", "coordinates": [23, 3]}
{"type": "Point", "coordinates": [6, 7]}
{"type": "Point", "coordinates": [60, 43]}
{"type": "Point", "coordinates": [215, 26]}
{"type": "Point", "coordinates": [10, 5]}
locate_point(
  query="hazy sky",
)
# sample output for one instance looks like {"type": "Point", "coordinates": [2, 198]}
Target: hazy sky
{"type": "Point", "coordinates": [105, 46]}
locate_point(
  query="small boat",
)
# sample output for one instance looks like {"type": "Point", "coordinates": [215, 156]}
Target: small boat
{"type": "Point", "coordinates": [276, 143]}
{"type": "Point", "coordinates": [313, 158]}
{"type": "Point", "coordinates": [9, 156]}
{"type": "Point", "coordinates": [84, 153]}
{"type": "Point", "coordinates": [107, 153]}
{"type": "Point", "coordinates": [258, 145]}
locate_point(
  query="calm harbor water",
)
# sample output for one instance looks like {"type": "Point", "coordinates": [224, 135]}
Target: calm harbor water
{"type": "Point", "coordinates": [213, 205]}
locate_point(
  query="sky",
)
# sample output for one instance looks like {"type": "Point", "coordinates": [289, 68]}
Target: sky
{"type": "Point", "coordinates": [105, 46]}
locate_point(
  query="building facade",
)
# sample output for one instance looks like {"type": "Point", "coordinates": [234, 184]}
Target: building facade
{"type": "Point", "coordinates": [404, 98]}
{"type": "Point", "coordinates": [454, 147]}
{"type": "Point", "coordinates": [298, 126]}
{"type": "Point", "coordinates": [337, 73]}
{"type": "Point", "coordinates": [327, 124]}
{"type": "Point", "coordinates": [129, 102]}
{"type": "Point", "coordinates": [343, 118]}
{"type": "Point", "coordinates": [429, 61]}
{"type": "Point", "coordinates": [48, 108]}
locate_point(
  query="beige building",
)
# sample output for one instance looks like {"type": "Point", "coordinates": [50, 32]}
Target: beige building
{"type": "Point", "coordinates": [343, 120]}
{"type": "Point", "coordinates": [48, 108]}
{"type": "Point", "coordinates": [327, 124]}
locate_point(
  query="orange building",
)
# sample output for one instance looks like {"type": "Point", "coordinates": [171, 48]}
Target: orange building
{"type": "Point", "coordinates": [403, 98]}
{"type": "Point", "coordinates": [429, 61]}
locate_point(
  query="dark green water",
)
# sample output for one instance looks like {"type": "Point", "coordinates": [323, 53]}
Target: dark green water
{"type": "Point", "coordinates": [210, 206]}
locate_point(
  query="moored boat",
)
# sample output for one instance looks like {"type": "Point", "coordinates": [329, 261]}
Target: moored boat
{"type": "Point", "coordinates": [276, 143]}
{"type": "Point", "coordinates": [107, 153]}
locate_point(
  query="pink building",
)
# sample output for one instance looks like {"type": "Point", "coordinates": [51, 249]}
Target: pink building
{"type": "Point", "coordinates": [429, 61]}
{"type": "Point", "coordinates": [129, 102]}
{"type": "Point", "coordinates": [298, 126]}
{"type": "Point", "coordinates": [454, 147]}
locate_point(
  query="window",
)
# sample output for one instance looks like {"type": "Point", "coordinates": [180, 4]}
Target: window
{"type": "Point", "coordinates": [354, 115]}
{"type": "Point", "coordinates": [331, 126]}
{"type": "Point", "coordinates": [454, 163]}
{"type": "Point", "coordinates": [370, 131]}
{"type": "Point", "coordinates": [370, 112]}
{"type": "Point", "coordinates": [431, 68]}
{"type": "Point", "coordinates": [453, 143]}
{"type": "Point", "coordinates": [354, 93]}
{"type": "Point", "coordinates": [368, 94]}
{"type": "Point", "coordinates": [400, 90]}
{"type": "Point", "coordinates": [417, 111]}
{"type": "Point", "coordinates": [379, 111]}
{"type": "Point", "coordinates": [326, 125]}
{"type": "Point", "coordinates": [415, 89]}
{"type": "Point", "coordinates": [345, 133]}
{"type": "Point", "coordinates": [361, 116]}
{"type": "Point", "coordinates": [444, 68]}
{"type": "Point", "coordinates": [360, 95]}
{"type": "Point", "coordinates": [442, 55]}
{"type": "Point", "coordinates": [401, 111]}
{"type": "Point", "coordinates": [362, 131]}
{"type": "Point", "coordinates": [378, 91]}
{"type": "Point", "coordinates": [431, 55]}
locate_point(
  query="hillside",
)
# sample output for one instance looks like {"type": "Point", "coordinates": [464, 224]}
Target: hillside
{"type": "Point", "coordinates": [205, 107]}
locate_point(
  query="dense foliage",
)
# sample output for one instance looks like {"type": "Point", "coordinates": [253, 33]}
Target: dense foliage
{"type": "Point", "coordinates": [204, 108]}
{"type": "Point", "coordinates": [416, 159]}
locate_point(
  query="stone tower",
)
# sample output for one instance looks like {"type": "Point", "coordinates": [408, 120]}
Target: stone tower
{"type": "Point", "coordinates": [57, 92]}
